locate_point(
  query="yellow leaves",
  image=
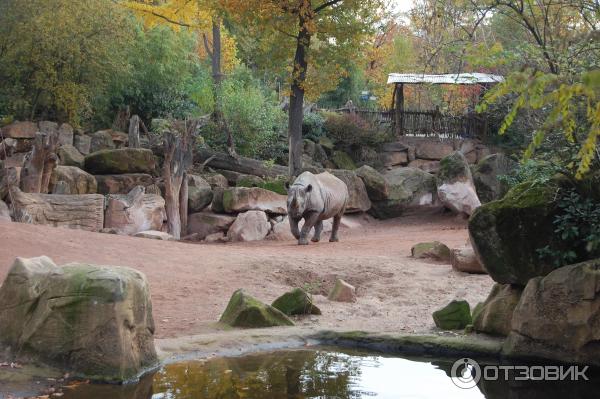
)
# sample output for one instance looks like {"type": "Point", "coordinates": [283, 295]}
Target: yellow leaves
{"type": "Point", "coordinates": [175, 13]}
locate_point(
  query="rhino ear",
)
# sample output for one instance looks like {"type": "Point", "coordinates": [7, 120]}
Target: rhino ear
{"type": "Point", "coordinates": [286, 185]}
{"type": "Point", "coordinates": [309, 188]}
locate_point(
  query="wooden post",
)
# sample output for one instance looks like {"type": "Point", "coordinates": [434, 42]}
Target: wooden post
{"type": "Point", "coordinates": [399, 108]}
{"type": "Point", "coordinates": [134, 132]}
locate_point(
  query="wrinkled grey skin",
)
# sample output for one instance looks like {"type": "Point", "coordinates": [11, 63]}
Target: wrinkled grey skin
{"type": "Point", "coordinates": [315, 198]}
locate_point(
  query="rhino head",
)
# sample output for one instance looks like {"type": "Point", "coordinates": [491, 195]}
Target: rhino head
{"type": "Point", "coordinates": [298, 199]}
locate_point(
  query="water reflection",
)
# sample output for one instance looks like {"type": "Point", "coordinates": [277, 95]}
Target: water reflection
{"type": "Point", "coordinates": [321, 374]}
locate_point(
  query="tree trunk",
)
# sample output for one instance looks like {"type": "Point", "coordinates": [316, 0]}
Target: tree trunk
{"type": "Point", "coordinates": [178, 158]}
{"type": "Point", "coordinates": [296, 114]}
{"type": "Point", "coordinates": [183, 203]}
{"type": "Point", "coordinates": [39, 164]}
{"type": "Point", "coordinates": [134, 132]}
{"type": "Point", "coordinates": [244, 165]}
{"type": "Point", "coordinates": [217, 73]}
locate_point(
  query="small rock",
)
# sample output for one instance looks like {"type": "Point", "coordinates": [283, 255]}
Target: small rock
{"type": "Point", "coordinates": [454, 316]}
{"type": "Point", "coordinates": [246, 311]}
{"type": "Point", "coordinates": [435, 250]}
{"type": "Point", "coordinates": [216, 238]}
{"type": "Point", "coordinates": [342, 292]}
{"type": "Point", "coordinates": [249, 226]}
{"type": "Point", "coordinates": [155, 235]}
{"type": "Point", "coordinates": [296, 302]}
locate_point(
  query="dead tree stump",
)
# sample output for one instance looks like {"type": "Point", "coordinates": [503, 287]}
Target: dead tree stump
{"type": "Point", "coordinates": [179, 158]}
{"type": "Point", "coordinates": [40, 163]}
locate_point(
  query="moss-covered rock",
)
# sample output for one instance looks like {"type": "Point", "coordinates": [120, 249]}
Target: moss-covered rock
{"type": "Point", "coordinates": [455, 186]}
{"type": "Point", "coordinates": [486, 173]}
{"type": "Point", "coordinates": [296, 302]}
{"type": "Point", "coordinates": [343, 160]}
{"type": "Point", "coordinates": [454, 316]}
{"type": "Point", "coordinates": [122, 160]}
{"type": "Point", "coordinates": [507, 234]}
{"type": "Point", "coordinates": [246, 311]}
{"type": "Point", "coordinates": [95, 321]}
{"type": "Point", "coordinates": [494, 316]}
{"type": "Point", "coordinates": [558, 316]}
{"type": "Point", "coordinates": [433, 250]}
{"type": "Point", "coordinates": [276, 184]}
{"type": "Point", "coordinates": [377, 187]}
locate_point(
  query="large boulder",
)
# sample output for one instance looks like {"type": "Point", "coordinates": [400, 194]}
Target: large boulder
{"type": "Point", "coordinates": [200, 194]}
{"type": "Point", "coordinates": [94, 321]}
{"type": "Point", "coordinates": [249, 226]}
{"type": "Point", "coordinates": [376, 185]}
{"type": "Point", "coordinates": [277, 185]}
{"type": "Point", "coordinates": [495, 315]}
{"type": "Point", "coordinates": [122, 184]}
{"type": "Point", "coordinates": [409, 189]}
{"type": "Point", "coordinates": [101, 140]}
{"type": "Point", "coordinates": [242, 199]}
{"type": "Point", "coordinates": [85, 212]}
{"type": "Point", "coordinates": [83, 143]}
{"type": "Point", "coordinates": [455, 186]}
{"type": "Point", "coordinates": [122, 160]}
{"type": "Point", "coordinates": [216, 180]}
{"type": "Point", "coordinates": [433, 149]}
{"type": "Point", "coordinates": [558, 316]}
{"type": "Point", "coordinates": [486, 173]}
{"type": "Point", "coordinates": [246, 311]}
{"type": "Point", "coordinates": [4, 212]}
{"type": "Point", "coordinates": [134, 212]}
{"type": "Point", "coordinates": [296, 302]}
{"type": "Point", "coordinates": [359, 199]}
{"type": "Point", "coordinates": [20, 130]}
{"type": "Point", "coordinates": [465, 260]}
{"type": "Point", "coordinates": [70, 156]}
{"type": "Point", "coordinates": [77, 180]}
{"type": "Point", "coordinates": [508, 234]}
{"type": "Point", "coordinates": [425, 165]}
{"type": "Point", "coordinates": [65, 134]}
{"type": "Point", "coordinates": [202, 224]}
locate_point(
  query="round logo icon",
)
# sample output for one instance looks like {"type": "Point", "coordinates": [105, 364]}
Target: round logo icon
{"type": "Point", "coordinates": [465, 373]}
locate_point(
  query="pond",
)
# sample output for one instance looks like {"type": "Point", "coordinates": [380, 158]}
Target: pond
{"type": "Point", "coordinates": [322, 373]}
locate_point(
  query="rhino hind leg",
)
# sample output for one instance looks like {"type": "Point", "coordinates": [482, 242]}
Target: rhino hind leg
{"type": "Point", "coordinates": [337, 219]}
{"type": "Point", "coordinates": [318, 229]}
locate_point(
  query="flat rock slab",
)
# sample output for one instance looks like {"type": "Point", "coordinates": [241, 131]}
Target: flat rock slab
{"type": "Point", "coordinates": [122, 160]}
{"type": "Point", "coordinates": [84, 212]}
{"type": "Point", "coordinates": [123, 183]}
{"type": "Point", "coordinates": [242, 199]}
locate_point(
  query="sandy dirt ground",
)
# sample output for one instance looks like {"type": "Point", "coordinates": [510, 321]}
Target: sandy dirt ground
{"type": "Point", "coordinates": [192, 283]}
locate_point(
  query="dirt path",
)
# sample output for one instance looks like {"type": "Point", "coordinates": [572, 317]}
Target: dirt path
{"type": "Point", "coordinates": [191, 283]}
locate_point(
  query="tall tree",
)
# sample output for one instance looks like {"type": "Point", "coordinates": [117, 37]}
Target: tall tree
{"type": "Point", "coordinates": [326, 31]}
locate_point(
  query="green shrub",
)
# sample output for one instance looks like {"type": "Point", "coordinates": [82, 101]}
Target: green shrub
{"type": "Point", "coordinates": [578, 225]}
{"type": "Point", "coordinates": [312, 126]}
{"type": "Point", "coordinates": [531, 170]}
{"type": "Point", "coordinates": [350, 131]}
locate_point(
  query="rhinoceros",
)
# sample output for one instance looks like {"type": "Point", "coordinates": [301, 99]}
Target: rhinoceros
{"type": "Point", "coordinates": [316, 198]}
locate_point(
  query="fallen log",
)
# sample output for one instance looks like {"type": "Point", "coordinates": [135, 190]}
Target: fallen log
{"type": "Point", "coordinates": [239, 164]}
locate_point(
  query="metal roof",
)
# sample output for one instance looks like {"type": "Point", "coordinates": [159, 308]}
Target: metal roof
{"type": "Point", "coordinates": [450, 78]}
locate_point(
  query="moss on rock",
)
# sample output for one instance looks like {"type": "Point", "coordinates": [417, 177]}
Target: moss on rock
{"type": "Point", "coordinates": [296, 302]}
{"type": "Point", "coordinates": [454, 167]}
{"type": "Point", "coordinates": [343, 160]}
{"type": "Point", "coordinates": [122, 160]}
{"type": "Point", "coordinates": [508, 233]}
{"type": "Point", "coordinates": [246, 311]}
{"type": "Point", "coordinates": [454, 316]}
{"type": "Point", "coordinates": [435, 250]}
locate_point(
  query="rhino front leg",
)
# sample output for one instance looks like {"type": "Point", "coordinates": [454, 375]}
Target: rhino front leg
{"type": "Point", "coordinates": [294, 228]}
{"type": "Point", "coordinates": [309, 221]}
{"type": "Point", "coordinates": [318, 230]}
{"type": "Point", "coordinates": [334, 229]}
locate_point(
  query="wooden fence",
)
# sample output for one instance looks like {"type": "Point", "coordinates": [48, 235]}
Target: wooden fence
{"type": "Point", "coordinates": [426, 123]}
